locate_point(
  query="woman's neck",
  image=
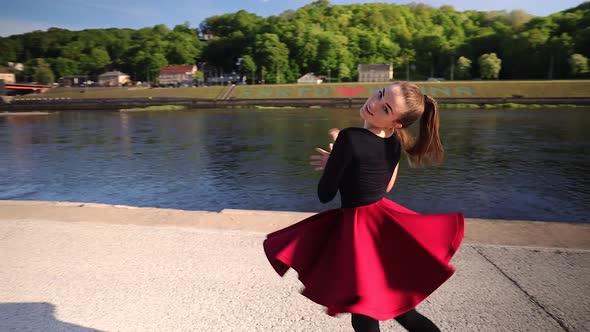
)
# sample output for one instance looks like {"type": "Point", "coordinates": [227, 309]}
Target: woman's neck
{"type": "Point", "coordinates": [381, 132]}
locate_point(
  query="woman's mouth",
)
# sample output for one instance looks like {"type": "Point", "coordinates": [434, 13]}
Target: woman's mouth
{"type": "Point", "coordinates": [367, 110]}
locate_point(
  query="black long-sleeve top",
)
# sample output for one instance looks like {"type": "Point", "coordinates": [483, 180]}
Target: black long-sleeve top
{"type": "Point", "coordinates": [360, 166]}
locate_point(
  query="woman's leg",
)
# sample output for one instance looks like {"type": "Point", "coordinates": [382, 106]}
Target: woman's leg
{"type": "Point", "coordinates": [362, 323]}
{"type": "Point", "coordinates": [415, 322]}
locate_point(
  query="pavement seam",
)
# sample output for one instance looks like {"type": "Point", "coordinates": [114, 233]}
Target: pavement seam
{"type": "Point", "coordinates": [529, 296]}
{"type": "Point", "coordinates": [529, 247]}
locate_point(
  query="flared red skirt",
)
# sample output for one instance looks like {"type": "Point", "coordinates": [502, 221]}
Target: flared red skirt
{"type": "Point", "coordinates": [380, 260]}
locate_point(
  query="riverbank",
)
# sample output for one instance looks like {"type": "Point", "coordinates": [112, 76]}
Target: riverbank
{"type": "Point", "coordinates": [355, 90]}
{"type": "Point", "coordinates": [478, 231]}
{"type": "Point", "coordinates": [482, 94]}
{"type": "Point", "coordinates": [92, 267]}
{"type": "Point", "coordinates": [47, 104]}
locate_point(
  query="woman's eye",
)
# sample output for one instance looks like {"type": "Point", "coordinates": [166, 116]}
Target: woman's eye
{"type": "Point", "coordinates": [380, 94]}
{"type": "Point", "coordinates": [386, 110]}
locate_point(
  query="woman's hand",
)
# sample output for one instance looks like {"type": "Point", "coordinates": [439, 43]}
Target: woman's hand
{"type": "Point", "coordinates": [320, 160]}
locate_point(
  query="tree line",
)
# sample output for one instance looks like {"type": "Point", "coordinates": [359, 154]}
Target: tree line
{"type": "Point", "coordinates": [329, 40]}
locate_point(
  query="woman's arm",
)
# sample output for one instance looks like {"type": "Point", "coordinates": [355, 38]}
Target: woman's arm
{"type": "Point", "coordinates": [393, 177]}
{"type": "Point", "coordinates": [339, 158]}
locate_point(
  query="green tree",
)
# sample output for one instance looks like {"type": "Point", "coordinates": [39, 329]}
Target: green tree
{"type": "Point", "coordinates": [155, 62]}
{"type": "Point", "coordinates": [517, 18]}
{"type": "Point", "coordinates": [43, 73]}
{"type": "Point", "coordinates": [489, 66]}
{"type": "Point", "coordinates": [273, 57]}
{"type": "Point", "coordinates": [248, 67]}
{"type": "Point", "coordinates": [64, 67]}
{"type": "Point", "coordinates": [430, 49]}
{"type": "Point", "coordinates": [182, 47]}
{"type": "Point", "coordinates": [73, 50]}
{"type": "Point", "coordinates": [225, 51]}
{"type": "Point", "coordinates": [184, 28]}
{"type": "Point", "coordinates": [9, 50]}
{"type": "Point", "coordinates": [343, 72]}
{"type": "Point", "coordinates": [578, 64]}
{"type": "Point", "coordinates": [307, 53]}
{"type": "Point", "coordinates": [582, 40]}
{"type": "Point", "coordinates": [36, 44]}
{"type": "Point", "coordinates": [406, 58]}
{"type": "Point", "coordinates": [234, 34]}
{"type": "Point", "coordinates": [30, 69]}
{"type": "Point", "coordinates": [225, 25]}
{"type": "Point", "coordinates": [147, 65]}
{"type": "Point", "coordinates": [199, 77]}
{"type": "Point", "coordinates": [463, 67]}
{"type": "Point", "coordinates": [555, 48]}
{"type": "Point", "coordinates": [95, 62]}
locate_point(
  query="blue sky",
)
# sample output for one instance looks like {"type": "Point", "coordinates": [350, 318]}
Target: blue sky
{"type": "Point", "coordinates": [19, 16]}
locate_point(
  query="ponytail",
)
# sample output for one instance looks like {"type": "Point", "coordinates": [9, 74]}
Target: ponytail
{"type": "Point", "coordinates": [427, 149]}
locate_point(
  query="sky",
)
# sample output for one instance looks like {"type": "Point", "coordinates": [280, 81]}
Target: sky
{"type": "Point", "coordinates": [20, 16]}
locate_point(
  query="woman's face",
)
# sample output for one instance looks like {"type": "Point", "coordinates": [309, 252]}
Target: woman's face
{"type": "Point", "coordinates": [383, 108]}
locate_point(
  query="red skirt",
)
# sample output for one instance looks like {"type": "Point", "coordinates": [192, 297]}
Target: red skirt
{"type": "Point", "coordinates": [380, 260]}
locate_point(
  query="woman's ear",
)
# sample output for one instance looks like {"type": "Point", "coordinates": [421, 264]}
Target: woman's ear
{"type": "Point", "coordinates": [397, 125]}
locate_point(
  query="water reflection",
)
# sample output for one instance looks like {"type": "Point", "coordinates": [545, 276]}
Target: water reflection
{"type": "Point", "coordinates": [516, 164]}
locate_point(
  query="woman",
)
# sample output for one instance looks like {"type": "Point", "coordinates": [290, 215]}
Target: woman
{"type": "Point", "coordinates": [372, 257]}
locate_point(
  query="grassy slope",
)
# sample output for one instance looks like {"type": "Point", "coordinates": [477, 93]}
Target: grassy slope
{"type": "Point", "coordinates": [477, 89]}
{"type": "Point", "coordinates": [481, 89]}
{"type": "Point", "coordinates": [205, 93]}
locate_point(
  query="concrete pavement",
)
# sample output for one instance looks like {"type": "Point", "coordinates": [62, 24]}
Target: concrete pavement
{"type": "Point", "coordinates": [68, 272]}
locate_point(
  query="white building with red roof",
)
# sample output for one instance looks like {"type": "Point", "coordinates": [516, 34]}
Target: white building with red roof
{"type": "Point", "coordinates": [176, 75]}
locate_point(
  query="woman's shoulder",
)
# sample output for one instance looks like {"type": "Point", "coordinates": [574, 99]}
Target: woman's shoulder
{"type": "Point", "coordinates": [350, 134]}
{"type": "Point", "coordinates": [364, 133]}
{"type": "Point", "coordinates": [352, 131]}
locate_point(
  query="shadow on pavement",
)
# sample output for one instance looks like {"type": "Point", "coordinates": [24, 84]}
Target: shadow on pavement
{"type": "Point", "coordinates": [34, 316]}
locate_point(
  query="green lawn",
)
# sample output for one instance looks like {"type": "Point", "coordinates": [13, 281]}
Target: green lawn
{"type": "Point", "coordinates": [154, 108]}
{"type": "Point", "coordinates": [200, 92]}
{"type": "Point", "coordinates": [448, 89]}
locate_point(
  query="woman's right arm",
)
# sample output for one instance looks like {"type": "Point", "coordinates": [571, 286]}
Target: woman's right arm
{"type": "Point", "coordinates": [340, 156]}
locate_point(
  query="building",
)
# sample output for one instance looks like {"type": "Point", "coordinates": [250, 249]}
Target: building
{"type": "Point", "coordinates": [177, 75]}
{"type": "Point", "coordinates": [7, 76]}
{"type": "Point", "coordinates": [207, 35]}
{"type": "Point", "coordinates": [16, 66]}
{"type": "Point", "coordinates": [375, 73]}
{"type": "Point", "coordinates": [73, 80]}
{"type": "Point", "coordinates": [226, 78]}
{"type": "Point", "coordinates": [309, 78]}
{"type": "Point", "coordinates": [113, 78]}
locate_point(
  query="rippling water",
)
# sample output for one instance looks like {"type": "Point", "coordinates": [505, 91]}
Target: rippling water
{"type": "Point", "coordinates": [505, 164]}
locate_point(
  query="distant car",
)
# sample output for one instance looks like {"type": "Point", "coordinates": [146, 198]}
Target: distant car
{"type": "Point", "coordinates": [436, 79]}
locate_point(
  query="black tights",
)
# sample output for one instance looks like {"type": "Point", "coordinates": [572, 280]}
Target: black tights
{"type": "Point", "coordinates": [411, 321]}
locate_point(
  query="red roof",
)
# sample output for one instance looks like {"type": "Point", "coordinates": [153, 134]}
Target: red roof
{"type": "Point", "coordinates": [176, 69]}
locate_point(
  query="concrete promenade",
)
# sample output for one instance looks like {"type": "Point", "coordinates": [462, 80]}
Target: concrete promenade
{"type": "Point", "coordinates": [92, 267]}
